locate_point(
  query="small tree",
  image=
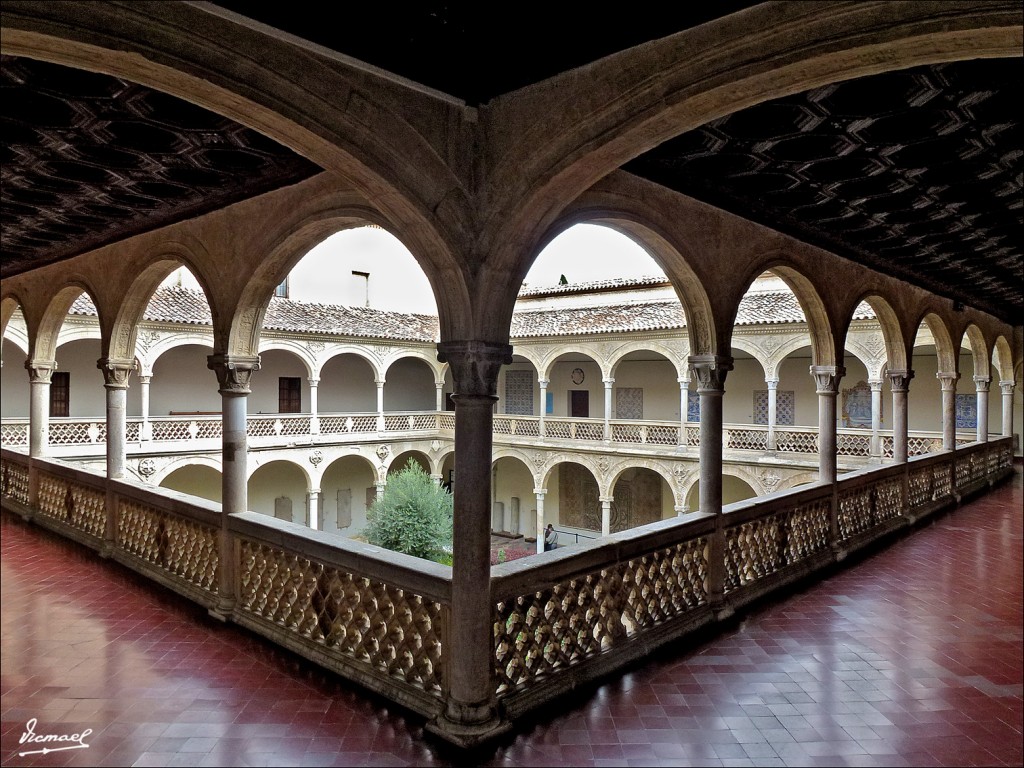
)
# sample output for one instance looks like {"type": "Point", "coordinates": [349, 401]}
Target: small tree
{"type": "Point", "coordinates": [413, 515]}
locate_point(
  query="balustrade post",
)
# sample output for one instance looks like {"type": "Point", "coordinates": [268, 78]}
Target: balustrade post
{"type": "Point", "coordinates": [233, 375]}
{"type": "Point", "coordinates": [608, 384]}
{"type": "Point", "coordinates": [439, 396]}
{"type": "Point", "coordinates": [314, 406]}
{"type": "Point", "coordinates": [39, 373]}
{"type": "Point", "coordinates": [773, 411]}
{"type": "Point", "coordinates": [1006, 387]}
{"type": "Point", "coordinates": [876, 419]}
{"type": "Point", "coordinates": [606, 514]}
{"type": "Point", "coordinates": [541, 425]}
{"type": "Point", "coordinates": [380, 405]}
{"type": "Point", "coordinates": [948, 383]}
{"type": "Point", "coordinates": [899, 382]}
{"type": "Point", "coordinates": [827, 378]}
{"type": "Point", "coordinates": [471, 708]}
{"type": "Point", "coordinates": [711, 371]}
{"type": "Point", "coordinates": [981, 384]}
{"type": "Point", "coordinates": [541, 526]}
{"type": "Point", "coordinates": [146, 427]}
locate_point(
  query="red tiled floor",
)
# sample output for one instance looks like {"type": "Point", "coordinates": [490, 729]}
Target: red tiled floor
{"type": "Point", "coordinates": [910, 656]}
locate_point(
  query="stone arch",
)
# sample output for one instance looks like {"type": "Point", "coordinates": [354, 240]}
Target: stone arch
{"type": "Point", "coordinates": [517, 521]}
{"type": "Point", "coordinates": [399, 460]}
{"type": "Point", "coordinates": [9, 304]}
{"type": "Point", "coordinates": [630, 217]}
{"type": "Point", "coordinates": [294, 347]}
{"type": "Point", "coordinates": [894, 335]}
{"type": "Point", "coordinates": [268, 504]}
{"type": "Point", "coordinates": [946, 351]}
{"type": "Point", "coordinates": [794, 480]}
{"type": "Point", "coordinates": [980, 352]}
{"type": "Point", "coordinates": [340, 511]}
{"type": "Point", "coordinates": [616, 471]}
{"type": "Point", "coordinates": [43, 342]}
{"type": "Point", "coordinates": [820, 327]}
{"type": "Point", "coordinates": [334, 350]}
{"type": "Point", "coordinates": [132, 307]}
{"type": "Point", "coordinates": [675, 356]}
{"type": "Point", "coordinates": [427, 356]}
{"type": "Point", "coordinates": [571, 348]}
{"type": "Point", "coordinates": [1002, 359]}
{"type": "Point", "coordinates": [178, 462]}
{"type": "Point", "coordinates": [420, 389]}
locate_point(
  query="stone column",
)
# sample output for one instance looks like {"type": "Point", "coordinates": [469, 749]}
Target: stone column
{"type": "Point", "coordinates": [1006, 387]}
{"type": "Point", "coordinates": [115, 380]}
{"type": "Point", "coordinates": [39, 373]}
{"type": "Point", "coordinates": [542, 427]}
{"type": "Point", "coordinates": [314, 406]}
{"type": "Point", "coordinates": [146, 428]}
{"type": "Point", "coordinates": [684, 397]}
{"type": "Point", "coordinates": [233, 375]}
{"type": "Point", "coordinates": [711, 371]}
{"type": "Point", "coordinates": [899, 381]}
{"type": "Point", "coordinates": [608, 384]}
{"type": "Point", "coordinates": [471, 707]}
{"type": "Point", "coordinates": [606, 514]}
{"type": "Point", "coordinates": [773, 410]}
{"type": "Point", "coordinates": [876, 418]}
{"type": "Point", "coordinates": [313, 503]}
{"type": "Point", "coordinates": [948, 383]}
{"type": "Point", "coordinates": [380, 404]}
{"type": "Point", "coordinates": [439, 396]}
{"type": "Point", "coordinates": [982, 384]}
{"type": "Point", "coordinates": [827, 378]}
{"type": "Point", "coordinates": [541, 525]}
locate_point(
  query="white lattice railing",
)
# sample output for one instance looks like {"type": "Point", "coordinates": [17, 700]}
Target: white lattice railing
{"type": "Point", "coordinates": [14, 432]}
{"type": "Point", "coordinates": [623, 432]}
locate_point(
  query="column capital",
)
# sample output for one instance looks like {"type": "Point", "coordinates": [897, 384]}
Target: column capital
{"type": "Point", "coordinates": [233, 372]}
{"type": "Point", "coordinates": [608, 382]}
{"type": "Point", "coordinates": [540, 491]}
{"type": "Point", "coordinates": [313, 382]}
{"type": "Point", "coordinates": [543, 383]}
{"type": "Point", "coordinates": [606, 499]}
{"type": "Point", "coordinates": [947, 380]}
{"type": "Point", "coordinates": [982, 383]}
{"type": "Point", "coordinates": [899, 381]}
{"type": "Point", "coordinates": [145, 379]}
{"type": "Point", "coordinates": [475, 365]}
{"type": "Point", "coordinates": [1006, 387]}
{"type": "Point", "coordinates": [116, 371]}
{"type": "Point", "coordinates": [875, 384]}
{"type": "Point", "coordinates": [771, 383]}
{"type": "Point", "coordinates": [40, 371]}
{"type": "Point", "coordinates": [710, 371]}
{"type": "Point", "coordinates": [827, 378]}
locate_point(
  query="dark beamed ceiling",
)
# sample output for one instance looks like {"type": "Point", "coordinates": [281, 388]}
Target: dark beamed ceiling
{"type": "Point", "coordinates": [915, 173]}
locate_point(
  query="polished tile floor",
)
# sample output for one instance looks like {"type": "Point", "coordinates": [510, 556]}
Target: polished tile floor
{"type": "Point", "coordinates": [911, 655]}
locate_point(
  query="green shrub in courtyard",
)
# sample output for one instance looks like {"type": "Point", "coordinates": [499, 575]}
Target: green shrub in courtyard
{"type": "Point", "coordinates": [413, 516]}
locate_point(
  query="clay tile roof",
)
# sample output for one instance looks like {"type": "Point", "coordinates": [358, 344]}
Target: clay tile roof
{"type": "Point", "coordinates": [594, 285]}
{"type": "Point", "coordinates": [286, 315]}
{"type": "Point", "coordinates": [181, 305]}
{"type": "Point", "coordinates": [655, 315]}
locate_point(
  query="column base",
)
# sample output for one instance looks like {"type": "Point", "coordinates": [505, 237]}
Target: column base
{"type": "Point", "coordinates": [475, 725]}
{"type": "Point", "coordinates": [223, 611]}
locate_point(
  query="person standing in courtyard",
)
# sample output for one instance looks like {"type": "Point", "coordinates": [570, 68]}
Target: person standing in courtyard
{"type": "Point", "coordinates": [550, 538]}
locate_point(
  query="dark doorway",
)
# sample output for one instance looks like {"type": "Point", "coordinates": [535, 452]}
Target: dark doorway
{"type": "Point", "coordinates": [579, 403]}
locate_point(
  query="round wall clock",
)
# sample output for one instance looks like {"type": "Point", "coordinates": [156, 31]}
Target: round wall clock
{"type": "Point", "coordinates": [577, 376]}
